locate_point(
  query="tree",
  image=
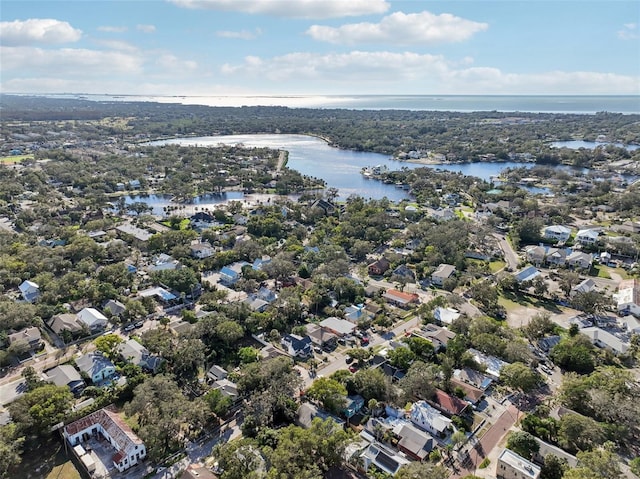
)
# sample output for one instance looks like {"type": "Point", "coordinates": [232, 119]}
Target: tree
{"type": "Point", "coordinates": [331, 393]}
{"type": "Point", "coordinates": [38, 410]}
{"type": "Point", "coordinates": [419, 381]}
{"type": "Point", "coordinates": [422, 348]}
{"type": "Point", "coordinates": [523, 443]}
{"type": "Point", "coordinates": [10, 448]}
{"type": "Point", "coordinates": [401, 358]}
{"type": "Point", "coordinates": [32, 378]}
{"type": "Point", "coordinates": [240, 459]}
{"type": "Point", "coordinates": [574, 354]}
{"type": "Point", "coordinates": [520, 376]}
{"type": "Point", "coordinates": [163, 414]}
{"type": "Point", "coordinates": [579, 433]}
{"type": "Point", "coordinates": [601, 463]}
{"type": "Point", "coordinates": [568, 279]}
{"type": "Point", "coordinates": [591, 302]}
{"type": "Point", "coordinates": [108, 344]}
{"type": "Point", "coordinates": [359, 354]}
{"type": "Point", "coordinates": [187, 358]}
{"type": "Point", "coordinates": [553, 467]}
{"type": "Point", "coordinates": [421, 470]}
{"type": "Point", "coordinates": [248, 354]}
{"type": "Point", "coordinates": [539, 326]}
{"type": "Point", "coordinates": [218, 403]}
{"type": "Point", "coordinates": [372, 384]}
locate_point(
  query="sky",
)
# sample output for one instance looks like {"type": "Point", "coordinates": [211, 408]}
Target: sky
{"type": "Point", "coordinates": [320, 47]}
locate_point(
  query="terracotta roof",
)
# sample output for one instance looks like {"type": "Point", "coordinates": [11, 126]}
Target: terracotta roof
{"type": "Point", "coordinates": [400, 295]}
{"type": "Point", "coordinates": [471, 392]}
{"type": "Point", "coordinates": [448, 404]}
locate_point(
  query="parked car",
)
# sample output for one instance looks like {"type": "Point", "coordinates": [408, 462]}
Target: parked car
{"type": "Point", "coordinates": [348, 360]}
{"type": "Point", "coordinates": [129, 327]}
{"type": "Point", "coordinates": [138, 324]}
{"type": "Point", "coordinates": [352, 368]}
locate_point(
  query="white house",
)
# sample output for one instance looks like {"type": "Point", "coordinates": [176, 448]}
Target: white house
{"type": "Point", "coordinates": [29, 291]}
{"type": "Point", "coordinates": [558, 233]}
{"type": "Point", "coordinates": [585, 286]}
{"type": "Point", "coordinates": [513, 466]}
{"type": "Point", "coordinates": [606, 340]}
{"type": "Point", "coordinates": [92, 318]}
{"type": "Point", "coordinates": [202, 250]}
{"type": "Point", "coordinates": [628, 297]}
{"type": "Point", "coordinates": [442, 273]}
{"type": "Point", "coordinates": [429, 419]}
{"type": "Point", "coordinates": [580, 260]}
{"type": "Point", "coordinates": [587, 237]}
{"type": "Point", "coordinates": [130, 449]}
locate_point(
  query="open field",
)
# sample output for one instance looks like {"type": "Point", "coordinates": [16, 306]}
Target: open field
{"type": "Point", "coordinates": [12, 160]}
{"type": "Point", "coordinates": [46, 460]}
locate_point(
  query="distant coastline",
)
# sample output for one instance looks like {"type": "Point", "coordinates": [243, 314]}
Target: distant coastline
{"type": "Point", "coordinates": [565, 104]}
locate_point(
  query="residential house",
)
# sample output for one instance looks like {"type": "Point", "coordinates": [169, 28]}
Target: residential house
{"type": "Point", "coordinates": [513, 466]}
{"type": "Point", "coordinates": [557, 233]}
{"type": "Point", "coordinates": [438, 335]}
{"type": "Point", "coordinates": [526, 274]}
{"type": "Point", "coordinates": [353, 405]}
{"type": "Point", "coordinates": [163, 262]}
{"type": "Point", "coordinates": [256, 304]}
{"type": "Point", "coordinates": [383, 458]}
{"type": "Point", "coordinates": [548, 343]}
{"type": "Point", "coordinates": [202, 250]}
{"type": "Point", "coordinates": [106, 424]}
{"type": "Point", "coordinates": [379, 267]}
{"type": "Point", "coordinates": [404, 272]}
{"type": "Point", "coordinates": [492, 364]}
{"type": "Point", "coordinates": [585, 286]}
{"type": "Point", "coordinates": [536, 254]}
{"type": "Point", "coordinates": [30, 337]}
{"type": "Point", "coordinates": [579, 260]}
{"type": "Point", "coordinates": [448, 404]}
{"type": "Point", "coordinates": [356, 313]}
{"type": "Point", "coordinates": [587, 237]}
{"type": "Point", "coordinates": [267, 294]}
{"type": "Point", "coordinates": [297, 346]}
{"type": "Point", "coordinates": [115, 307]}
{"type": "Point", "coordinates": [606, 340]}
{"type": "Point", "coordinates": [445, 315]}
{"type": "Point", "coordinates": [196, 471]}
{"type": "Point", "coordinates": [96, 366]}
{"type": "Point", "coordinates": [135, 353]}
{"type": "Point", "coordinates": [65, 322]}
{"type": "Point", "coordinates": [441, 214]}
{"type": "Point", "coordinates": [137, 236]}
{"type": "Point", "coordinates": [66, 375]}
{"type": "Point", "coordinates": [413, 442]}
{"type": "Point", "coordinates": [261, 262]}
{"type": "Point", "coordinates": [337, 326]}
{"type": "Point", "coordinates": [229, 275]}
{"type": "Point", "coordinates": [162, 295]}
{"type": "Point", "coordinates": [202, 220]}
{"type": "Point", "coordinates": [226, 387]}
{"type": "Point", "coordinates": [472, 394]}
{"type": "Point", "coordinates": [216, 373]}
{"type": "Point", "coordinates": [400, 298]}
{"type": "Point", "coordinates": [557, 257]}
{"type": "Point", "coordinates": [325, 206]}
{"type": "Point", "coordinates": [429, 419]}
{"type": "Point", "coordinates": [319, 335]}
{"type": "Point", "coordinates": [628, 297]}
{"type": "Point", "coordinates": [92, 319]}
{"type": "Point", "coordinates": [29, 291]}
{"type": "Point", "coordinates": [473, 377]}
{"type": "Point", "coordinates": [442, 273]}
{"type": "Point", "coordinates": [307, 412]}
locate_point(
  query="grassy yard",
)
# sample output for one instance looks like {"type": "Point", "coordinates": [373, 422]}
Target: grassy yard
{"type": "Point", "coordinates": [600, 271]}
{"type": "Point", "coordinates": [496, 266]}
{"type": "Point", "coordinates": [512, 301]}
{"type": "Point", "coordinates": [46, 460]}
{"type": "Point", "coordinates": [11, 160]}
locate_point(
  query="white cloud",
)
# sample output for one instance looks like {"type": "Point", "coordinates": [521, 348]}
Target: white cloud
{"type": "Point", "coordinates": [112, 29]}
{"type": "Point", "coordinates": [629, 31]}
{"type": "Point", "coordinates": [411, 73]}
{"type": "Point", "coordinates": [401, 29]}
{"type": "Point", "coordinates": [171, 63]}
{"type": "Point", "coordinates": [69, 61]}
{"type": "Point", "coordinates": [317, 9]}
{"type": "Point", "coordinates": [242, 34]}
{"type": "Point", "coordinates": [117, 45]}
{"type": "Point", "coordinates": [38, 30]}
{"type": "Point", "coordinates": [146, 28]}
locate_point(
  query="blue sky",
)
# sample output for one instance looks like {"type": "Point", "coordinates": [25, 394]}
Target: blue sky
{"type": "Point", "coordinates": [320, 47]}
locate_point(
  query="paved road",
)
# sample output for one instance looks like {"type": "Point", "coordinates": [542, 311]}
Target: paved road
{"type": "Point", "coordinates": [510, 255]}
{"type": "Point", "coordinates": [488, 441]}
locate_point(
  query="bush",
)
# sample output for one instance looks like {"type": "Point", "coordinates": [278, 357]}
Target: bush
{"type": "Point", "coordinates": [485, 462]}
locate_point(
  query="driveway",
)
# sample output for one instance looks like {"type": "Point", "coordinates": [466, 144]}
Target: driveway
{"type": "Point", "coordinates": [510, 255]}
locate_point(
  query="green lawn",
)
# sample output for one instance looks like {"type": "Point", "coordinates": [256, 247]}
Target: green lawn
{"type": "Point", "coordinates": [599, 271]}
{"type": "Point", "coordinates": [46, 460]}
{"type": "Point", "coordinates": [10, 160]}
{"type": "Point", "coordinates": [496, 266]}
{"type": "Point", "coordinates": [511, 301]}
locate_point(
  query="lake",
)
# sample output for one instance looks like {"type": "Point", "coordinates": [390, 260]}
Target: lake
{"type": "Point", "coordinates": [341, 169]}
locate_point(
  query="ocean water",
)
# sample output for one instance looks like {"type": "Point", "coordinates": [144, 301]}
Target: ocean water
{"type": "Point", "coordinates": [627, 104]}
